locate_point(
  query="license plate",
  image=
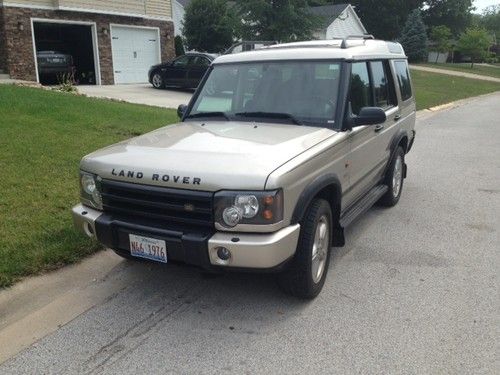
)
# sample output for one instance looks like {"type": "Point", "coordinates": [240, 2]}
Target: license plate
{"type": "Point", "coordinates": [148, 248]}
{"type": "Point", "coordinates": [56, 60]}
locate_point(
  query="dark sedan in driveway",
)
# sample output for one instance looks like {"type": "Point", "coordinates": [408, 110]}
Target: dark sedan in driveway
{"type": "Point", "coordinates": [185, 71]}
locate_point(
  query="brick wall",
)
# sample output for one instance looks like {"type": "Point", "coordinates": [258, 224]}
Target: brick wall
{"type": "Point", "coordinates": [3, 51]}
{"type": "Point", "coordinates": [20, 60]}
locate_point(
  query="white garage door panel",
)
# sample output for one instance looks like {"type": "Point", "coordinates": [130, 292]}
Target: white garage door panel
{"type": "Point", "coordinates": [135, 50]}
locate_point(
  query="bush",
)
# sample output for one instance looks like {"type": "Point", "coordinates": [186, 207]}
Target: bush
{"type": "Point", "coordinates": [179, 46]}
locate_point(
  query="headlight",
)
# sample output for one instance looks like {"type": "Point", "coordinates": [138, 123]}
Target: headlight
{"type": "Point", "coordinates": [89, 190]}
{"type": "Point", "coordinates": [254, 208]}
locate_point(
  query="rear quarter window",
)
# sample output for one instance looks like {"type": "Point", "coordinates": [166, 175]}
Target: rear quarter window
{"type": "Point", "coordinates": [403, 76]}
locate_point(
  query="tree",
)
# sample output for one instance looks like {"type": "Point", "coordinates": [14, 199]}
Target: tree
{"type": "Point", "coordinates": [441, 36]}
{"type": "Point", "coordinates": [209, 25]}
{"type": "Point", "coordinates": [383, 18]}
{"type": "Point", "coordinates": [456, 14]}
{"type": "Point", "coordinates": [414, 37]}
{"type": "Point", "coordinates": [280, 20]}
{"type": "Point", "coordinates": [490, 20]}
{"type": "Point", "coordinates": [474, 42]}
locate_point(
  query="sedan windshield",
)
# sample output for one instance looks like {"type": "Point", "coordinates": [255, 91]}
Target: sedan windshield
{"type": "Point", "coordinates": [296, 92]}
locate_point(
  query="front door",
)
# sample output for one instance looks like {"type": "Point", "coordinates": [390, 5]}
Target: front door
{"type": "Point", "coordinates": [371, 85]}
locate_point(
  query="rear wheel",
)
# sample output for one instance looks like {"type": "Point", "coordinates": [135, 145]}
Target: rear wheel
{"type": "Point", "coordinates": [157, 81]}
{"type": "Point", "coordinates": [306, 275]}
{"type": "Point", "coordinates": [394, 179]}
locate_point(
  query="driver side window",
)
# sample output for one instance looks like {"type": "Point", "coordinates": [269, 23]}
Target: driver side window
{"type": "Point", "coordinates": [181, 62]}
{"type": "Point", "coordinates": [360, 93]}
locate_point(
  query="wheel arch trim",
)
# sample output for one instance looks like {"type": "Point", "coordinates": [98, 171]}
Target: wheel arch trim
{"type": "Point", "coordinates": [311, 191]}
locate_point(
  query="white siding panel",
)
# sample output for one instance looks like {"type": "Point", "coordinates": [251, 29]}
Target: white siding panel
{"type": "Point", "coordinates": [151, 8]}
{"type": "Point", "coordinates": [346, 24]}
{"type": "Point", "coordinates": [178, 13]}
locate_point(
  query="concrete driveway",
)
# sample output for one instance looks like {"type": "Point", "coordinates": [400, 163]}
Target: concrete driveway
{"type": "Point", "coordinates": [415, 291]}
{"type": "Point", "coordinates": [140, 94]}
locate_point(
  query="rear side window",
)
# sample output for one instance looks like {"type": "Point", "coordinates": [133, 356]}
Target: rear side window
{"type": "Point", "coordinates": [403, 79]}
{"type": "Point", "coordinates": [360, 87]}
{"type": "Point", "coordinates": [383, 87]}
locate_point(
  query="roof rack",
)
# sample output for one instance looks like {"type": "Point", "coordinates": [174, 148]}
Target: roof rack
{"type": "Point", "coordinates": [364, 37]}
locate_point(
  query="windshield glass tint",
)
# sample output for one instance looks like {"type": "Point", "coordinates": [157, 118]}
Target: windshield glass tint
{"type": "Point", "coordinates": [307, 91]}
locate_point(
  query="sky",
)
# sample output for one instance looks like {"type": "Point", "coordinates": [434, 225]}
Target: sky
{"type": "Point", "coordinates": [481, 4]}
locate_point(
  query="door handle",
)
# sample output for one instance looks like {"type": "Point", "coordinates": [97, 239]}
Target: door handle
{"type": "Point", "coordinates": [378, 128]}
{"type": "Point", "coordinates": [397, 117]}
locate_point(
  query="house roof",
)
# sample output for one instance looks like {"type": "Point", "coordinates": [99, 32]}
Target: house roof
{"type": "Point", "coordinates": [328, 13]}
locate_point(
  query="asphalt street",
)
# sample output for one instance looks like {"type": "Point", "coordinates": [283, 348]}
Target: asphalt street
{"type": "Point", "coordinates": [415, 290]}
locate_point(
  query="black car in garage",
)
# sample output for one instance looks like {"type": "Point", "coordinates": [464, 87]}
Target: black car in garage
{"type": "Point", "coordinates": [185, 71]}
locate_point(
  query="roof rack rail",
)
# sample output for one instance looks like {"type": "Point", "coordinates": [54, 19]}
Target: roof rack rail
{"type": "Point", "coordinates": [364, 37]}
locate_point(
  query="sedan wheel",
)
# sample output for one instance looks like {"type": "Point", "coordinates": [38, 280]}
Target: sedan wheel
{"type": "Point", "coordinates": [157, 81]}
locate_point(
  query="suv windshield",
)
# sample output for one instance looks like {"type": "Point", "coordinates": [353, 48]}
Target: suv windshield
{"type": "Point", "coordinates": [296, 92]}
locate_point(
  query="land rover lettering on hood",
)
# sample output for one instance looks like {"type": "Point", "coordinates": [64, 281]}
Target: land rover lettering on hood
{"type": "Point", "coordinates": [279, 150]}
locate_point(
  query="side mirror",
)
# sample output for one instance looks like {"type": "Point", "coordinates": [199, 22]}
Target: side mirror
{"type": "Point", "coordinates": [370, 116]}
{"type": "Point", "coordinates": [181, 110]}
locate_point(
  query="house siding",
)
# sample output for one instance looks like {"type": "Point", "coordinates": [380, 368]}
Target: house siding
{"type": "Point", "coordinates": [346, 24]}
{"type": "Point", "coordinates": [20, 61]}
{"type": "Point", "coordinates": [145, 8]}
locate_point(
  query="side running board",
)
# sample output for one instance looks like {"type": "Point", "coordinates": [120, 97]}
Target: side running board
{"type": "Point", "coordinates": [363, 205]}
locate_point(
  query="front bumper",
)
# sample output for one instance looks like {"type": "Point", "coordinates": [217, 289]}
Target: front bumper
{"type": "Point", "coordinates": [248, 250]}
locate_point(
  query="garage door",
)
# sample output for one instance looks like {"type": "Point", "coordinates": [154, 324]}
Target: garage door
{"type": "Point", "coordinates": [135, 50]}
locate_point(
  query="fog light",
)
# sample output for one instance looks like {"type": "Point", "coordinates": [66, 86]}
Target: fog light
{"type": "Point", "coordinates": [223, 254]}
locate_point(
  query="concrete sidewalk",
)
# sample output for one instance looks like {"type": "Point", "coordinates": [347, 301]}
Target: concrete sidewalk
{"type": "Point", "coordinates": [455, 73]}
{"type": "Point", "coordinates": [139, 94]}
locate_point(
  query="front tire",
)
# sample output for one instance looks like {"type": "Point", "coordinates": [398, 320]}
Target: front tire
{"type": "Point", "coordinates": [394, 179]}
{"type": "Point", "coordinates": [305, 276]}
{"type": "Point", "coordinates": [157, 81]}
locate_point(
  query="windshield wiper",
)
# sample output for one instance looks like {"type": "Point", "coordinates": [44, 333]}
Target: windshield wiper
{"type": "Point", "coordinates": [276, 115]}
{"type": "Point", "coordinates": [209, 114]}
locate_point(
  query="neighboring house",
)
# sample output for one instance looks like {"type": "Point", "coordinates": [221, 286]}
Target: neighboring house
{"type": "Point", "coordinates": [178, 12]}
{"type": "Point", "coordinates": [110, 41]}
{"type": "Point", "coordinates": [338, 21]}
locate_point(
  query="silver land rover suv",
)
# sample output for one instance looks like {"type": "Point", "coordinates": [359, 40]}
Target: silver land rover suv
{"type": "Point", "coordinates": [278, 151]}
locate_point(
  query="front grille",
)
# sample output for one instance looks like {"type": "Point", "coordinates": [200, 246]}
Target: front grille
{"type": "Point", "coordinates": [163, 205]}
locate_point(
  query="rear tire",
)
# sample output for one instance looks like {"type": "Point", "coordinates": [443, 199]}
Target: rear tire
{"type": "Point", "coordinates": [157, 81]}
{"type": "Point", "coordinates": [394, 179]}
{"type": "Point", "coordinates": [306, 274]}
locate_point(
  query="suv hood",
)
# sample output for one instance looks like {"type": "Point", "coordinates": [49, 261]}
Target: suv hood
{"type": "Point", "coordinates": [205, 156]}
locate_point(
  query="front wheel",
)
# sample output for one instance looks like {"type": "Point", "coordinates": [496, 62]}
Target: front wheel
{"type": "Point", "coordinates": [394, 179]}
{"type": "Point", "coordinates": [157, 81]}
{"type": "Point", "coordinates": [306, 275]}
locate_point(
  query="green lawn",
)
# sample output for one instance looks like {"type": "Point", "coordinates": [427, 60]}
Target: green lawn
{"type": "Point", "coordinates": [433, 89]}
{"type": "Point", "coordinates": [482, 70]}
{"type": "Point", "coordinates": [43, 135]}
